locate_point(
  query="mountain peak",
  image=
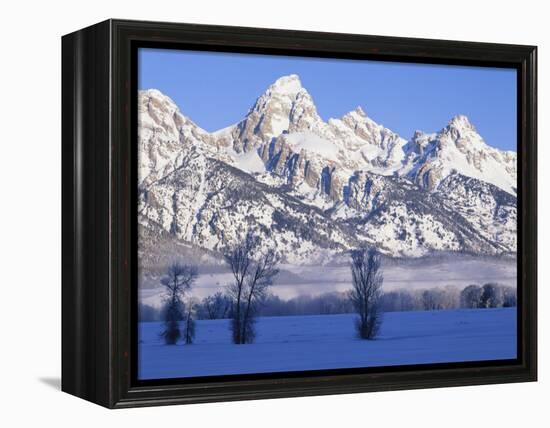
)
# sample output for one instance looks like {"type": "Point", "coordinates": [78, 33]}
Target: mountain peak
{"type": "Point", "coordinates": [155, 94]}
{"type": "Point", "coordinates": [360, 111]}
{"type": "Point", "coordinates": [290, 84]}
{"type": "Point", "coordinates": [356, 115]}
{"type": "Point", "coordinates": [461, 122]}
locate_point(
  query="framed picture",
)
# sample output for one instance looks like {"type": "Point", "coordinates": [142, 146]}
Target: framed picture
{"type": "Point", "coordinates": [253, 213]}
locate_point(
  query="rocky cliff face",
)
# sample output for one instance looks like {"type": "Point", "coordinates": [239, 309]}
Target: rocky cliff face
{"type": "Point", "coordinates": [314, 189]}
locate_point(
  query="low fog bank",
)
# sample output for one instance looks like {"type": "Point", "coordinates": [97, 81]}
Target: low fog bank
{"type": "Point", "coordinates": [417, 274]}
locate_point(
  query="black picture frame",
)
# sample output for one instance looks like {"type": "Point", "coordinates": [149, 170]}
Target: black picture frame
{"type": "Point", "coordinates": [99, 212]}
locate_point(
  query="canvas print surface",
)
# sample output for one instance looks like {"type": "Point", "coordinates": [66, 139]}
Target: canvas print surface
{"type": "Point", "coordinates": [300, 214]}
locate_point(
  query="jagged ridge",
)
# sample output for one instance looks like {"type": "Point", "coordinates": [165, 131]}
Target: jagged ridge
{"type": "Point", "coordinates": [315, 188]}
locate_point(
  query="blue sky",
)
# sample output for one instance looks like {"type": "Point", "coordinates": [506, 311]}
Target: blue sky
{"type": "Point", "coordinates": [216, 90]}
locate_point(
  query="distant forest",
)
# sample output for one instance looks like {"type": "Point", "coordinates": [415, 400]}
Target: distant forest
{"type": "Point", "coordinates": [491, 295]}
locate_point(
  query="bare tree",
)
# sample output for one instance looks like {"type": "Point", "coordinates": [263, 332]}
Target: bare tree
{"type": "Point", "coordinates": [433, 299]}
{"type": "Point", "coordinates": [366, 292]}
{"type": "Point", "coordinates": [510, 297]}
{"type": "Point", "coordinates": [239, 261]}
{"type": "Point", "coordinates": [470, 297]}
{"type": "Point", "coordinates": [172, 314]}
{"type": "Point", "coordinates": [215, 307]}
{"type": "Point", "coordinates": [178, 280]}
{"type": "Point", "coordinates": [251, 282]}
{"type": "Point", "coordinates": [398, 300]}
{"type": "Point", "coordinates": [491, 296]}
{"type": "Point", "coordinates": [189, 328]}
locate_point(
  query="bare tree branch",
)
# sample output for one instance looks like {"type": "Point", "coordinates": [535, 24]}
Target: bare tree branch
{"type": "Point", "coordinates": [366, 292]}
{"type": "Point", "coordinates": [251, 282]}
{"type": "Point", "coordinates": [178, 280]}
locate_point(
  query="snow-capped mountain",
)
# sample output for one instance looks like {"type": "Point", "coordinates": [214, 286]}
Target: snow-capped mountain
{"type": "Point", "coordinates": [313, 189]}
{"type": "Point", "coordinates": [458, 147]}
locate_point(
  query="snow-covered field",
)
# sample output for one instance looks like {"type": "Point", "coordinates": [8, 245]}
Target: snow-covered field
{"type": "Point", "coordinates": [329, 341]}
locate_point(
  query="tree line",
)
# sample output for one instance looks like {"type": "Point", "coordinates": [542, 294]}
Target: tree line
{"type": "Point", "coordinates": [218, 305]}
{"type": "Point", "coordinates": [247, 296]}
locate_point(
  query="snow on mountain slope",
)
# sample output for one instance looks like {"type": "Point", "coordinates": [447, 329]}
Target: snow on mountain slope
{"type": "Point", "coordinates": [368, 144]}
{"type": "Point", "coordinates": [209, 204]}
{"type": "Point", "coordinates": [491, 211]}
{"type": "Point", "coordinates": [459, 148]}
{"type": "Point", "coordinates": [404, 219]}
{"type": "Point", "coordinates": [285, 107]}
{"type": "Point", "coordinates": [212, 205]}
{"type": "Point", "coordinates": [308, 186]}
{"type": "Point", "coordinates": [287, 110]}
{"type": "Point", "coordinates": [312, 143]}
{"type": "Point", "coordinates": [160, 126]}
{"type": "Point", "coordinates": [165, 137]}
